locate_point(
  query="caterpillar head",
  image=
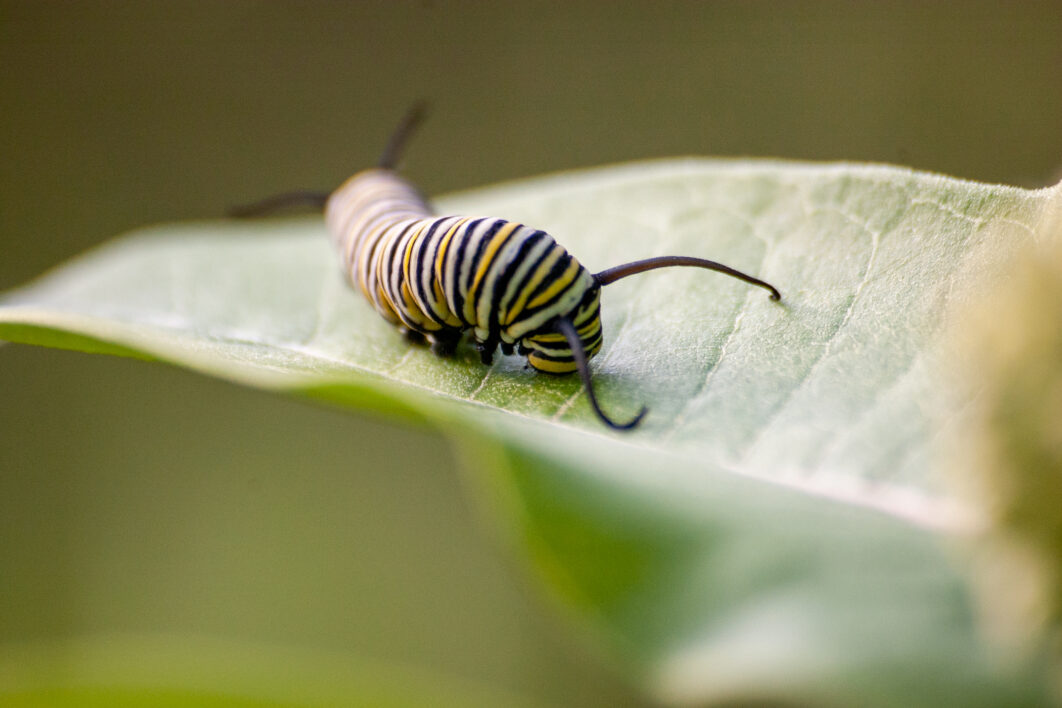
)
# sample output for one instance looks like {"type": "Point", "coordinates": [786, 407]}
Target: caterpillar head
{"type": "Point", "coordinates": [549, 350]}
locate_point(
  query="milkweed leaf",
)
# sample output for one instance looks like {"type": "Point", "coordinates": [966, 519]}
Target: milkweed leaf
{"type": "Point", "coordinates": [775, 528]}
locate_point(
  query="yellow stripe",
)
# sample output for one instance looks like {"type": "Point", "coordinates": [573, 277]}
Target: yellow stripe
{"type": "Point", "coordinates": [541, 272]}
{"type": "Point", "coordinates": [440, 257]}
{"type": "Point", "coordinates": [413, 312]}
{"type": "Point", "coordinates": [549, 338]}
{"type": "Point", "coordinates": [417, 231]}
{"type": "Point", "coordinates": [551, 367]}
{"type": "Point", "coordinates": [385, 307]}
{"type": "Point", "coordinates": [559, 285]}
{"type": "Point", "coordinates": [365, 250]}
{"type": "Point", "coordinates": [488, 255]}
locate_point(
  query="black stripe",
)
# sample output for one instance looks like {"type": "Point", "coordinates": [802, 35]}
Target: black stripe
{"type": "Point", "coordinates": [555, 272]}
{"type": "Point", "coordinates": [588, 297]}
{"type": "Point", "coordinates": [522, 285]}
{"type": "Point", "coordinates": [388, 263]}
{"type": "Point", "coordinates": [550, 357]}
{"type": "Point", "coordinates": [392, 285]}
{"type": "Point", "coordinates": [492, 318]}
{"type": "Point", "coordinates": [502, 284]}
{"type": "Point", "coordinates": [465, 234]}
{"type": "Point", "coordinates": [420, 284]}
{"type": "Point", "coordinates": [484, 241]}
{"type": "Point", "coordinates": [547, 347]}
{"type": "Point", "coordinates": [521, 289]}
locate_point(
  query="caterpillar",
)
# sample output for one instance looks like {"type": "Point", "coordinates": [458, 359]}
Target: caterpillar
{"type": "Point", "coordinates": [436, 277]}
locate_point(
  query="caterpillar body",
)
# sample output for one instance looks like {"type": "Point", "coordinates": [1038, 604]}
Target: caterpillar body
{"type": "Point", "coordinates": [436, 277]}
{"type": "Point", "coordinates": [439, 276]}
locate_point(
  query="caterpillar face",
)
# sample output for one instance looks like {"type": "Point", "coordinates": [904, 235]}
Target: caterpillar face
{"type": "Point", "coordinates": [550, 352]}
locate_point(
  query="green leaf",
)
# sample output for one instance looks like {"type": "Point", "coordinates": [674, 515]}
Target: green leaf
{"type": "Point", "coordinates": [1007, 456]}
{"type": "Point", "coordinates": [775, 528]}
{"type": "Point", "coordinates": [181, 670]}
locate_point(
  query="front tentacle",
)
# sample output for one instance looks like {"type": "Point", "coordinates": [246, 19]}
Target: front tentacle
{"type": "Point", "coordinates": [565, 327]}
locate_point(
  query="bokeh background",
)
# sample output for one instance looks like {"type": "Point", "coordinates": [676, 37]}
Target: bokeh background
{"type": "Point", "coordinates": [138, 498]}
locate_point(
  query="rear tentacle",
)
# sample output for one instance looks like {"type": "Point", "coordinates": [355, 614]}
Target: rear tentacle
{"type": "Point", "coordinates": [405, 129]}
{"type": "Point", "coordinates": [303, 197]}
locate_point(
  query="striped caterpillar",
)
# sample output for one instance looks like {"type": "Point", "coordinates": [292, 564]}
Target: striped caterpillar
{"type": "Point", "coordinates": [435, 277]}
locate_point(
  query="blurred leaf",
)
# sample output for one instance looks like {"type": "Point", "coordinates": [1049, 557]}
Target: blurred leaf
{"type": "Point", "coordinates": [1007, 457]}
{"type": "Point", "coordinates": [774, 529]}
{"type": "Point", "coordinates": [179, 670]}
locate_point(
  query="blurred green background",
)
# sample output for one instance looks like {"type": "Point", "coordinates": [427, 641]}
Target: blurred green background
{"type": "Point", "coordinates": [138, 498]}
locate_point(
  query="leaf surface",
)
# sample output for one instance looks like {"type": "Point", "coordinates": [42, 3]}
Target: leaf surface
{"type": "Point", "coordinates": [775, 526]}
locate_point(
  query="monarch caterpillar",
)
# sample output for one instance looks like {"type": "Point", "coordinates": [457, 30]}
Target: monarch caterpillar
{"type": "Point", "coordinates": [435, 277]}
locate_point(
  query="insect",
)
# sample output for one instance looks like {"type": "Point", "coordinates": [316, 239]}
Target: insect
{"type": "Point", "coordinates": [436, 277]}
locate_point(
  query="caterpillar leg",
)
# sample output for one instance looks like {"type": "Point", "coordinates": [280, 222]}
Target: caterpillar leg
{"type": "Point", "coordinates": [486, 350]}
{"type": "Point", "coordinates": [444, 342]}
{"type": "Point", "coordinates": [414, 337]}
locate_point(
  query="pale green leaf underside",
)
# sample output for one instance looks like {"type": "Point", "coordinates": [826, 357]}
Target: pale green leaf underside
{"type": "Point", "coordinates": [831, 396]}
{"type": "Point", "coordinates": [835, 382]}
